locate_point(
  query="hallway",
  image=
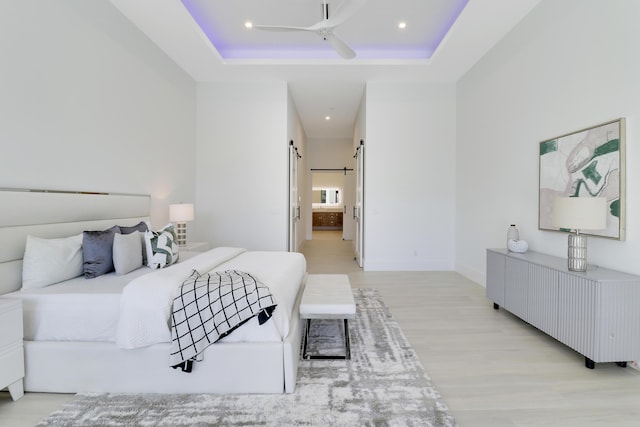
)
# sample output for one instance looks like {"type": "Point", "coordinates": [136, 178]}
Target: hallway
{"type": "Point", "coordinates": [328, 253]}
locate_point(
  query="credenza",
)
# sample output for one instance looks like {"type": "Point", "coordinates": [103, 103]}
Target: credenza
{"type": "Point", "coordinates": [596, 313]}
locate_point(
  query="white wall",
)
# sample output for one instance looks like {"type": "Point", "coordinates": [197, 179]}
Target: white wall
{"type": "Point", "coordinates": [88, 103]}
{"type": "Point", "coordinates": [569, 65]}
{"type": "Point", "coordinates": [241, 164]}
{"type": "Point", "coordinates": [409, 176]}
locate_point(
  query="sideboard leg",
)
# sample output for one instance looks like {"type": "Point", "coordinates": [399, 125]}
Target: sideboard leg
{"type": "Point", "coordinates": [622, 364]}
{"type": "Point", "coordinates": [496, 306]}
{"type": "Point", "coordinates": [589, 363]}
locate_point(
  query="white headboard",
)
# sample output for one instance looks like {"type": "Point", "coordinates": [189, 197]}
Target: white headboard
{"type": "Point", "coordinates": [51, 214]}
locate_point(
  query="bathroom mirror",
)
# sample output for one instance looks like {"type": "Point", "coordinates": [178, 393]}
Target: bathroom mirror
{"type": "Point", "coordinates": [326, 196]}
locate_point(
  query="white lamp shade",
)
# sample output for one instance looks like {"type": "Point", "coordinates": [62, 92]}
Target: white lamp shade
{"type": "Point", "coordinates": [580, 213]}
{"type": "Point", "coordinates": [181, 212]}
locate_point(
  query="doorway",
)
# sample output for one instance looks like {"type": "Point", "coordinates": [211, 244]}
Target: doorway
{"type": "Point", "coordinates": [332, 200]}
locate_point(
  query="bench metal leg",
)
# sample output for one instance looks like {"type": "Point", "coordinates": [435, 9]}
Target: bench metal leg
{"type": "Point", "coordinates": [347, 342]}
{"type": "Point", "coordinates": [347, 345]}
{"type": "Point", "coordinates": [305, 339]}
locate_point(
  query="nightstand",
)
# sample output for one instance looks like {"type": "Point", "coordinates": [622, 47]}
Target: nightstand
{"type": "Point", "coordinates": [195, 247]}
{"type": "Point", "coordinates": [11, 349]}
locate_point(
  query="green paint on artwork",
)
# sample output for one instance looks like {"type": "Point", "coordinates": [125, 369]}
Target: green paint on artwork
{"type": "Point", "coordinates": [578, 185]}
{"type": "Point", "coordinates": [591, 173]}
{"type": "Point", "coordinates": [614, 208]}
{"type": "Point", "coordinates": [547, 147]}
{"type": "Point", "coordinates": [608, 147]}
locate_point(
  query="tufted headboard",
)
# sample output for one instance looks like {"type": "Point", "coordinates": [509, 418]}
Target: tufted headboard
{"type": "Point", "coordinates": [52, 214]}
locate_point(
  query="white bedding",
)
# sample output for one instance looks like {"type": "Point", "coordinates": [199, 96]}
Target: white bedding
{"type": "Point", "coordinates": [78, 309]}
{"type": "Point", "coordinates": [75, 310]}
{"type": "Point", "coordinates": [146, 302]}
{"type": "Point", "coordinates": [133, 309]}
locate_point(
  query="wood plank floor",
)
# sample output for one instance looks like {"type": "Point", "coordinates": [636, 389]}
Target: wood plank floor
{"type": "Point", "coordinates": [491, 368]}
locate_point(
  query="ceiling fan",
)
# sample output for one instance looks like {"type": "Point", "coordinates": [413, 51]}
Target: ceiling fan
{"type": "Point", "coordinates": [325, 28]}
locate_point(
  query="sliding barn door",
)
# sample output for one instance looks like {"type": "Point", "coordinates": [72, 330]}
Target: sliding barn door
{"type": "Point", "coordinates": [359, 206]}
{"type": "Point", "coordinates": [294, 200]}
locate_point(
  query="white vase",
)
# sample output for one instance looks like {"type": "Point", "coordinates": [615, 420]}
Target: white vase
{"type": "Point", "coordinates": [512, 234]}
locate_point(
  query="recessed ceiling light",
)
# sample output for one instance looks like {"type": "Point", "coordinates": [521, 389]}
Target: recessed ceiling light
{"type": "Point", "coordinates": [402, 25]}
{"type": "Point", "coordinates": [327, 118]}
{"type": "Point", "coordinates": [248, 24]}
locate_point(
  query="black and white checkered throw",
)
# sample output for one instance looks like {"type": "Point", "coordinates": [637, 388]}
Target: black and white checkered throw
{"type": "Point", "coordinates": [211, 306]}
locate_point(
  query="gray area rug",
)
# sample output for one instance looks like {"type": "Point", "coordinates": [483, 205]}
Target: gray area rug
{"type": "Point", "coordinates": [383, 384]}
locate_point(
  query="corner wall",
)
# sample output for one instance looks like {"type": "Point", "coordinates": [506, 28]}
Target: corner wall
{"type": "Point", "coordinates": [568, 65]}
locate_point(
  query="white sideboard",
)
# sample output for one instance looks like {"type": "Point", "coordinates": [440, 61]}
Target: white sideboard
{"type": "Point", "coordinates": [596, 313]}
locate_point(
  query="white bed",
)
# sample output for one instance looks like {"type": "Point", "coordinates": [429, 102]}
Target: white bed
{"type": "Point", "coordinates": [94, 335]}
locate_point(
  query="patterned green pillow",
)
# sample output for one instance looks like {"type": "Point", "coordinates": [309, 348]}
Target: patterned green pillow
{"type": "Point", "coordinates": [162, 247]}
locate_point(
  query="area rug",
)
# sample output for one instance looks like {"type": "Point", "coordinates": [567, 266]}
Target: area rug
{"type": "Point", "coordinates": [383, 384]}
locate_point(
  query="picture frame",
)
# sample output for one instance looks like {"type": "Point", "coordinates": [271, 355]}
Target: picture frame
{"type": "Point", "coordinates": [585, 163]}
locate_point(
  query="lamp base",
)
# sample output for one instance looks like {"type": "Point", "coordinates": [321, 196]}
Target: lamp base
{"type": "Point", "coordinates": [181, 231]}
{"type": "Point", "coordinates": [577, 253]}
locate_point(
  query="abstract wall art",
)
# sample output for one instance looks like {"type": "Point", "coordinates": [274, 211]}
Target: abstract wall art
{"type": "Point", "coordinates": [586, 163]}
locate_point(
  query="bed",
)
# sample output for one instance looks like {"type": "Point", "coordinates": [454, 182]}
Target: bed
{"type": "Point", "coordinates": [110, 333]}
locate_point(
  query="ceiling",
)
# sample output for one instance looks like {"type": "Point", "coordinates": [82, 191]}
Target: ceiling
{"type": "Point", "coordinates": [442, 40]}
{"type": "Point", "coordinates": [371, 27]}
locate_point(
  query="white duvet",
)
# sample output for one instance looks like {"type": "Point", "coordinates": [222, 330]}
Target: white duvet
{"type": "Point", "coordinates": [145, 304]}
{"type": "Point", "coordinates": [133, 310]}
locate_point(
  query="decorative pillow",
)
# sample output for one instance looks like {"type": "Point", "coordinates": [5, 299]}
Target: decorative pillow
{"type": "Point", "coordinates": [49, 261]}
{"type": "Point", "coordinates": [162, 247]}
{"type": "Point", "coordinates": [97, 251]}
{"type": "Point", "coordinates": [127, 252]}
{"type": "Point", "coordinates": [142, 226]}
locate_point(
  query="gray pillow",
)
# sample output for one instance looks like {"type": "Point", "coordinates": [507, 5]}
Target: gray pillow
{"type": "Point", "coordinates": [141, 227]}
{"type": "Point", "coordinates": [97, 252]}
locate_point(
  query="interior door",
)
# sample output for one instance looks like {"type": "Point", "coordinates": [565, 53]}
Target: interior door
{"type": "Point", "coordinates": [359, 206]}
{"type": "Point", "coordinates": [349, 186]}
{"type": "Point", "coordinates": [294, 201]}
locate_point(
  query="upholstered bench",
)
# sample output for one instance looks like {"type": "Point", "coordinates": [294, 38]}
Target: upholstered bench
{"type": "Point", "coordinates": [327, 296]}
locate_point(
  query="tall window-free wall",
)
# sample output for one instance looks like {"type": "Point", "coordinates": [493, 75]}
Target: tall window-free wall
{"type": "Point", "coordinates": [547, 77]}
{"type": "Point", "coordinates": [409, 182]}
{"type": "Point", "coordinates": [242, 164]}
{"type": "Point", "coordinates": [89, 103]}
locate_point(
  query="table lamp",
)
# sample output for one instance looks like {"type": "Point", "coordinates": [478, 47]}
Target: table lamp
{"type": "Point", "coordinates": [179, 214]}
{"type": "Point", "coordinates": [577, 214]}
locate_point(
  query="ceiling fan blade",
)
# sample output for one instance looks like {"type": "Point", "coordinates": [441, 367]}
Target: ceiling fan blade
{"type": "Point", "coordinates": [341, 47]}
{"type": "Point", "coordinates": [281, 28]}
{"type": "Point", "coordinates": [343, 12]}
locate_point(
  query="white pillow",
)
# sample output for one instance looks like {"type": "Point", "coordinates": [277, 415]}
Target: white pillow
{"type": "Point", "coordinates": [127, 252]}
{"type": "Point", "coordinates": [49, 261]}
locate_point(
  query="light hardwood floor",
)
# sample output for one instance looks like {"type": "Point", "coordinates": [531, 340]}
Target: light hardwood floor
{"type": "Point", "coordinates": [491, 368]}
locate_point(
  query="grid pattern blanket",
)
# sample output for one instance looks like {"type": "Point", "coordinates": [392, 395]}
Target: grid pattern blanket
{"type": "Point", "coordinates": [211, 306]}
